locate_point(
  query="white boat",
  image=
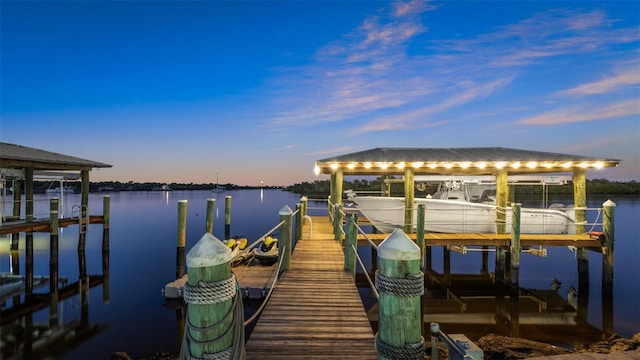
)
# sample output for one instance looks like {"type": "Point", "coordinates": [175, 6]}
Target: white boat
{"type": "Point", "coordinates": [218, 188]}
{"type": "Point", "coordinates": [451, 210]}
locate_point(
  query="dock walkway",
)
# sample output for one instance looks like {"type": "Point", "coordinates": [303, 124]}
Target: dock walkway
{"type": "Point", "coordinates": [315, 311]}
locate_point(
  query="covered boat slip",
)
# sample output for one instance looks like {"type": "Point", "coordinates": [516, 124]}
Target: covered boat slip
{"type": "Point", "coordinates": [497, 162]}
{"type": "Point", "coordinates": [500, 168]}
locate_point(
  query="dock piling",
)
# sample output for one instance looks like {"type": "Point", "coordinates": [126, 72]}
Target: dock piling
{"type": "Point", "coordinates": [182, 237]}
{"type": "Point", "coordinates": [227, 216]}
{"type": "Point", "coordinates": [400, 284]}
{"type": "Point", "coordinates": [284, 243]}
{"type": "Point", "coordinates": [214, 323]}
{"type": "Point", "coordinates": [351, 241]}
{"type": "Point", "coordinates": [211, 205]}
{"type": "Point", "coordinates": [607, 258]}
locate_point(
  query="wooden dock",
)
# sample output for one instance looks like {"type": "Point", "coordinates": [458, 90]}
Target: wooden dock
{"type": "Point", "coordinates": [315, 310]}
{"type": "Point", "coordinates": [444, 239]}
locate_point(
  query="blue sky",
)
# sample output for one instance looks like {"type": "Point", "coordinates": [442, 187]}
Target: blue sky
{"type": "Point", "coordinates": [257, 91]}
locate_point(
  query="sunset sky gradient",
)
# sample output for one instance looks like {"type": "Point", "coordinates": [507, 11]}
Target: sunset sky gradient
{"type": "Point", "coordinates": [258, 90]}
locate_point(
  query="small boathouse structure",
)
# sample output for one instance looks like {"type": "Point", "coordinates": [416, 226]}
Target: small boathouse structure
{"type": "Point", "coordinates": [20, 166]}
{"type": "Point", "coordinates": [494, 162]}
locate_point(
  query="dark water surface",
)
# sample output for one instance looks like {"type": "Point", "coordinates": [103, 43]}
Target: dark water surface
{"type": "Point", "coordinates": [143, 251]}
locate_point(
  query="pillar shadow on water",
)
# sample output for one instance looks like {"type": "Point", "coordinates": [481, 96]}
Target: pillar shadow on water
{"type": "Point", "coordinates": [477, 305]}
{"type": "Point", "coordinates": [24, 337]}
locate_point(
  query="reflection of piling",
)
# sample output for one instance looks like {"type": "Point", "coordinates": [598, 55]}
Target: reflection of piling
{"type": "Point", "coordinates": [17, 202]}
{"type": "Point", "coordinates": [106, 209]}
{"type": "Point", "coordinates": [401, 284]}
{"type": "Point", "coordinates": [447, 265]}
{"type": "Point", "coordinates": [485, 260]}
{"type": "Point", "coordinates": [607, 267]}
{"type": "Point", "coordinates": [182, 237]}
{"type": "Point", "coordinates": [284, 243]}
{"type": "Point", "coordinates": [227, 216]}
{"type": "Point", "coordinates": [211, 205]}
{"type": "Point", "coordinates": [53, 262]}
{"type": "Point", "coordinates": [28, 264]}
{"type": "Point", "coordinates": [514, 273]}
{"type": "Point", "coordinates": [515, 250]}
{"type": "Point", "coordinates": [514, 318]}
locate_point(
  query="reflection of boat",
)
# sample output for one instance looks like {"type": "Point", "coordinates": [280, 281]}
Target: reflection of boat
{"type": "Point", "coordinates": [267, 252]}
{"type": "Point", "coordinates": [453, 210]}
{"type": "Point", "coordinates": [56, 190]}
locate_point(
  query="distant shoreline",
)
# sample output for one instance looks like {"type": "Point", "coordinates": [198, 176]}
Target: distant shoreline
{"type": "Point", "coordinates": [321, 188]}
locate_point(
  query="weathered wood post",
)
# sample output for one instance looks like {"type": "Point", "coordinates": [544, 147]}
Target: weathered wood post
{"type": "Point", "coordinates": [351, 241]}
{"type": "Point", "coordinates": [182, 237]}
{"type": "Point", "coordinates": [420, 232]}
{"type": "Point", "coordinates": [582, 253]}
{"type": "Point", "coordinates": [106, 210]}
{"type": "Point", "coordinates": [211, 205]}
{"type": "Point", "coordinates": [53, 262]}
{"type": "Point", "coordinates": [400, 284]}
{"type": "Point", "coordinates": [435, 335]}
{"type": "Point", "coordinates": [420, 242]}
{"type": "Point", "coordinates": [409, 196]}
{"type": "Point", "coordinates": [515, 249]}
{"type": "Point", "coordinates": [298, 221]}
{"type": "Point", "coordinates": [227, 216]}
{"type": "Point", "coordinates": [284, 243]}
{"type": "Point", "coordinates": [337, 222]}
{"type": "Point", "coordinates": [305, 202]}
{"type": "Point", "coordinates": [608, 229]}
{"type": "Point", "coordinates": [214, 323]}
{"type": "Point", "coordinates": [502, 192]}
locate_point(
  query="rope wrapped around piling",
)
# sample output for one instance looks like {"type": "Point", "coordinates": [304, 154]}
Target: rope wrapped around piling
{"type": "Point", "coordinates": [211, 293]}
{"type": "Point", "coordinates": [411, 285]}
{"type": "Point", "coordinates": [409, 351]}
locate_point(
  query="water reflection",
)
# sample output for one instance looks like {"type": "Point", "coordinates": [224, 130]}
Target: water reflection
{"type": "Point", "coordinates": [476, 305]}
{"type": "Point", "coordinates": [35, 324]}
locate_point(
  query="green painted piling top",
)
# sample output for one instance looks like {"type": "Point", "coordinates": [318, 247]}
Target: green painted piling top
{"type": "Point", "coordinates": [208, 251]}
{"type": "Point", "coordinates": [398, 246]}
{"type": "Point", "coordinates": [285, 210]}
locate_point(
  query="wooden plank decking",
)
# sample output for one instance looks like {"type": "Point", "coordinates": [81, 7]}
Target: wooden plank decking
{"type": "Point", "coordinates": [315, 311]}
{"type": "Point", "coordinates": [444, 239]}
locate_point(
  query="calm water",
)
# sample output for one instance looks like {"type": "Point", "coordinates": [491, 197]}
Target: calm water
{"type": "Point", "coordinates": [143, 250]}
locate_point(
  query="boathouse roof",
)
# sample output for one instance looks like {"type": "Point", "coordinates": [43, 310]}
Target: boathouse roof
{"type": "Point", "coordinates": [458, 161]}
{"type": "Point", "coordinates": [17, 157]}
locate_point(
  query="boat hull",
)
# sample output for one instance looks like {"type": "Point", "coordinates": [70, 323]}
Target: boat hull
{"type": "Point", "coordinates": [450, 216]}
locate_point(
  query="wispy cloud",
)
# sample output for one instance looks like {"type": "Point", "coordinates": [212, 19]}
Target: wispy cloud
{"type": "Point", "coordinates": [370, 71]}
{"type": "Point", "coordinates": [421, 118]}
{"type": "Point", "coordinates": [332, 151]}
{"type": "Point", "coordinates": [620, 79]}
{"type": "Point", "coordinates": [582, 114]}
